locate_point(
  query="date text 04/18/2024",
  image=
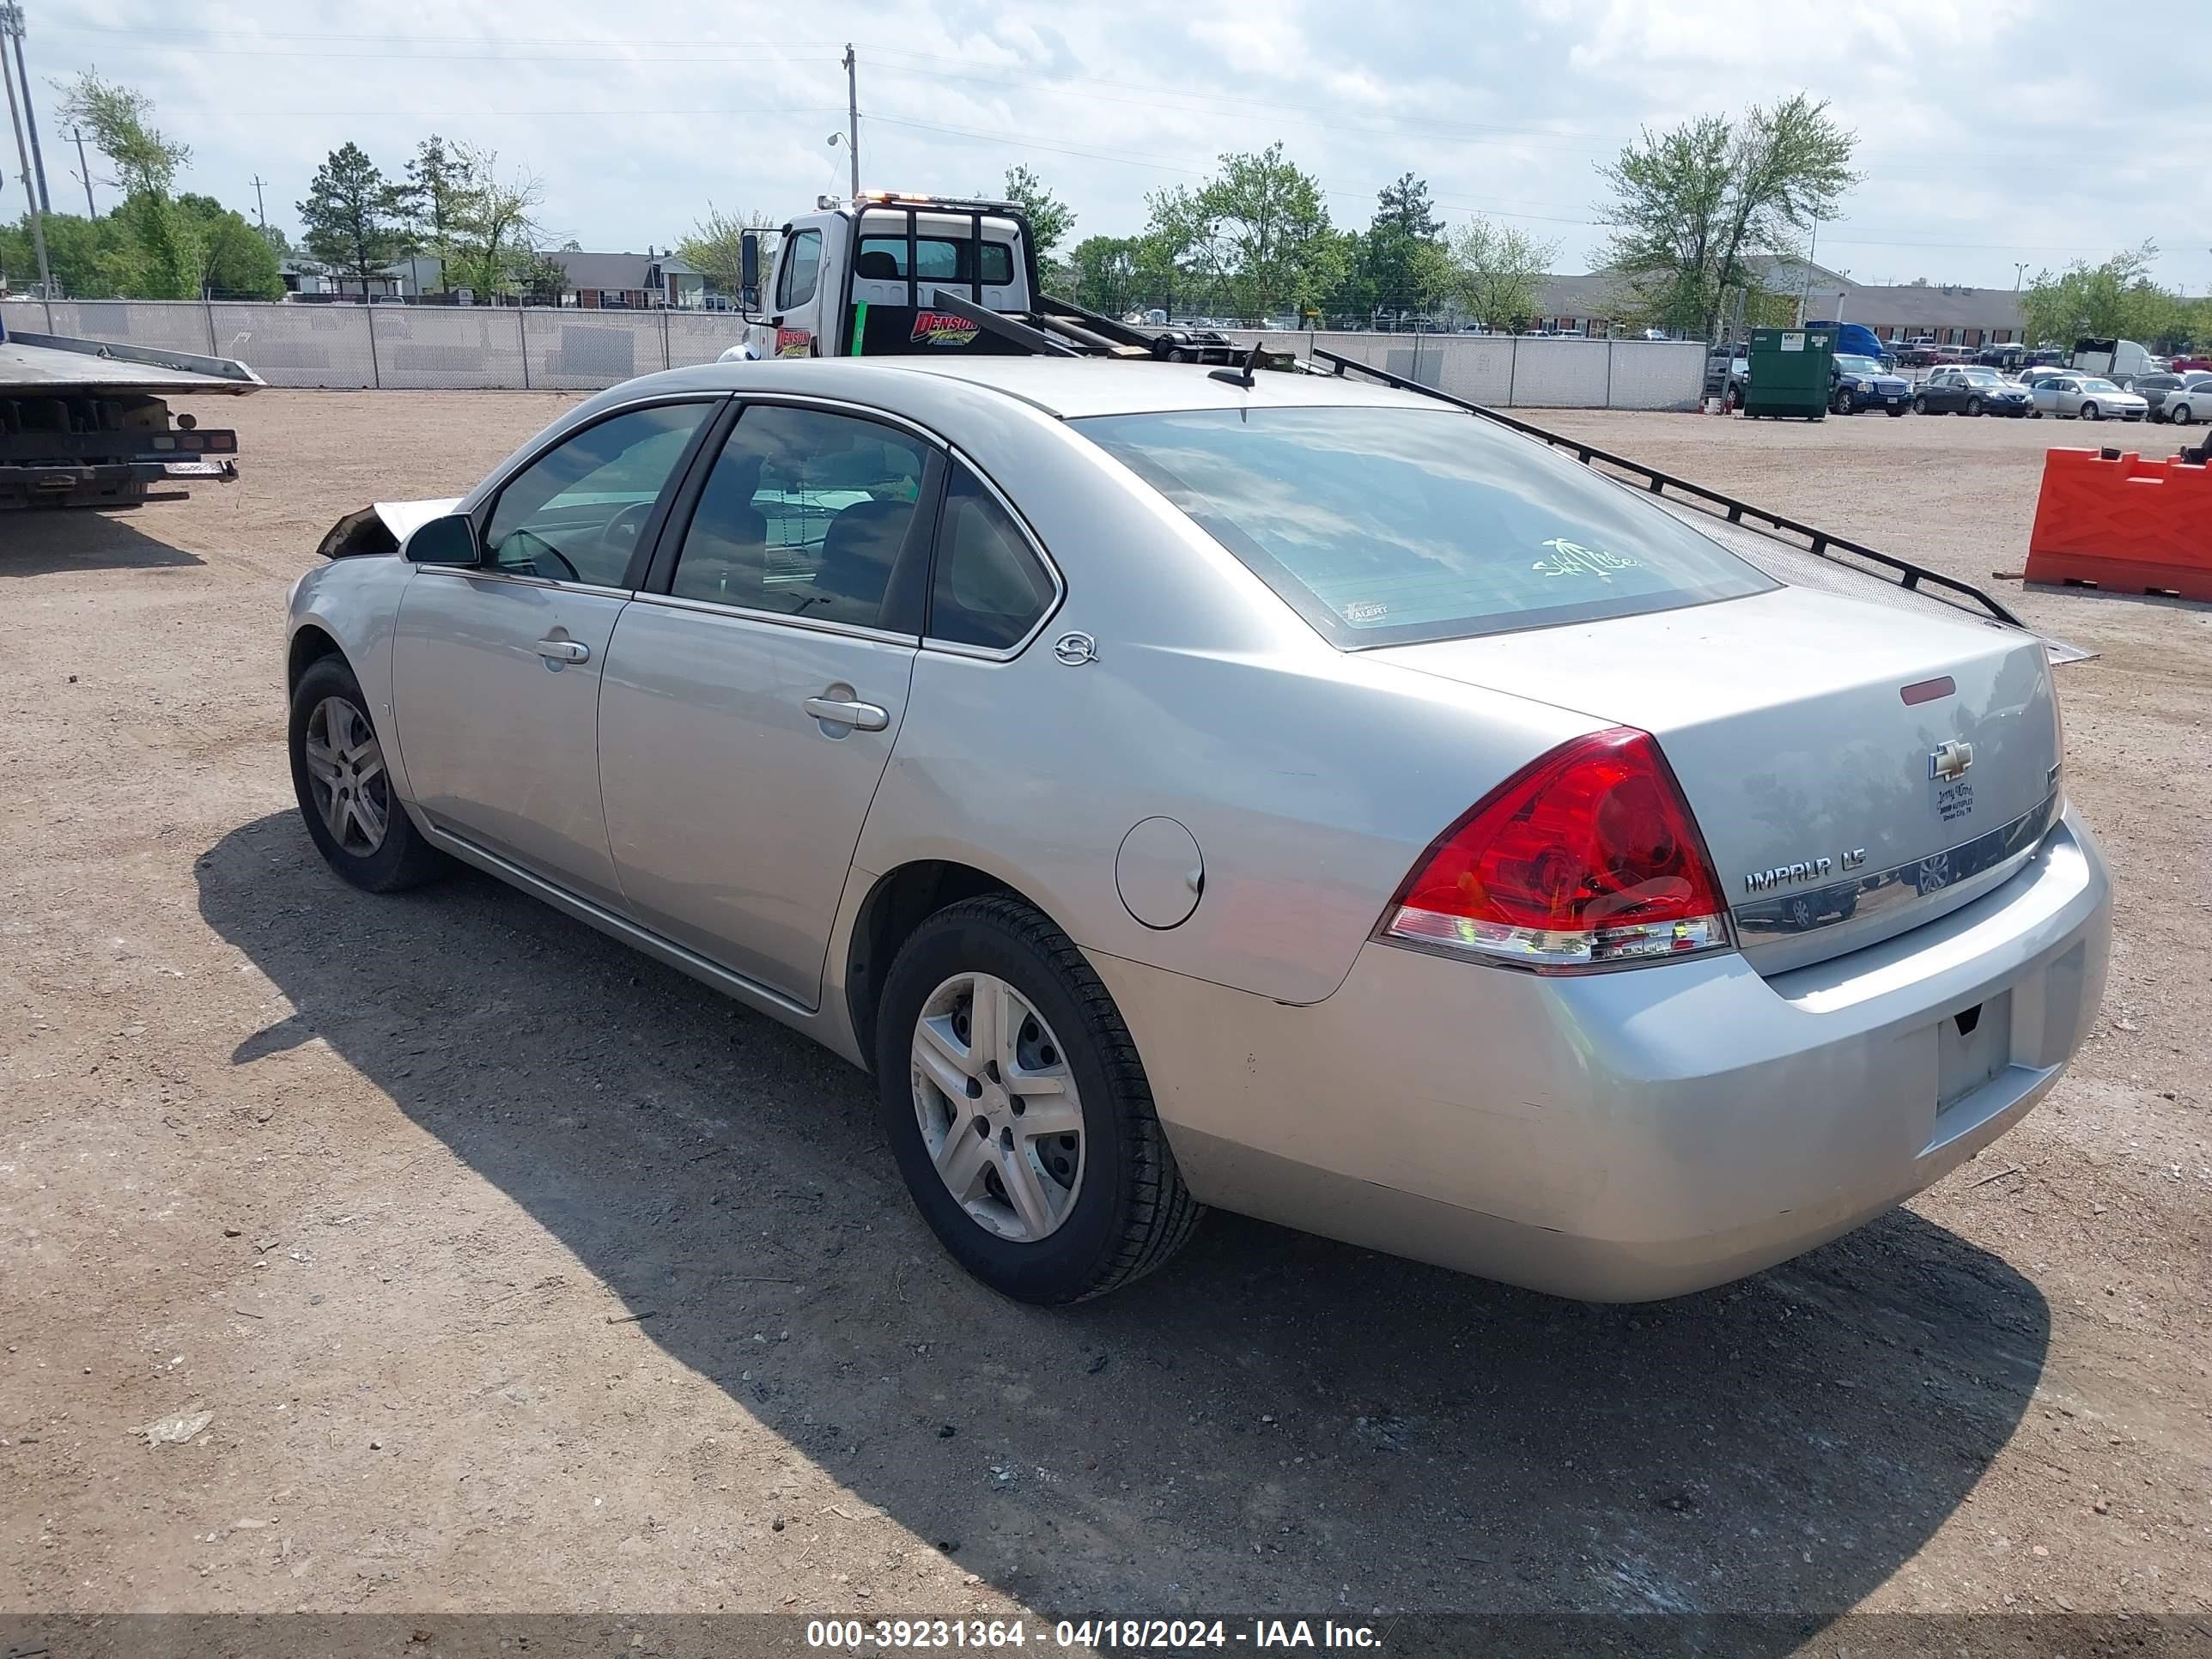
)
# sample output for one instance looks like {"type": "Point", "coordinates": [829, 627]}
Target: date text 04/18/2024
{"type": "Point", "coordinates": [1094, 1635]}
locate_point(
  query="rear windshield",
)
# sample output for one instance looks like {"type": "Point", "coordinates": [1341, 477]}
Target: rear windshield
{"type": "Point", "coordinates": [1383, 526]}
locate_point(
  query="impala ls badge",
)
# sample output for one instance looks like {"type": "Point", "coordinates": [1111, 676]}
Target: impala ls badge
{"type": "Point", "coordinates": [1950, 761]}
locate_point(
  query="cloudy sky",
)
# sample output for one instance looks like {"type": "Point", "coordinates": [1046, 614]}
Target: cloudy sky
{"type": "Point", "coordinates": [1993, 132]}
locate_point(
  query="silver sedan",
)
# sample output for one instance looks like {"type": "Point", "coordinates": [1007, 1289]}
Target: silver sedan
{"type": "Point", "coordinates": [1303, 799]}
{"type": "Point", "coordinates": [2085, 397]}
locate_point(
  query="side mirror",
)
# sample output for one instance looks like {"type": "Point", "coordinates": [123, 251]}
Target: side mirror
{"type": "Point", "coordinates": [449, 540]}
{"type": "Point", "coordinates": [748, 261]}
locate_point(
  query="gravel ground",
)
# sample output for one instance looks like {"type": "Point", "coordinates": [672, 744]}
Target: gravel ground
{"type": "Point", "coordinates": [488, 1266]}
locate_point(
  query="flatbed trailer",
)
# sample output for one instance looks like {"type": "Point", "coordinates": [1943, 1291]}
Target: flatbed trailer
{"type": "Point", "coordinates": [87, 423]}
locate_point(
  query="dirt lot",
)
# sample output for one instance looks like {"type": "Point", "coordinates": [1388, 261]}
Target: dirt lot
{"type": "Point", "coordinates": [517, 1273]}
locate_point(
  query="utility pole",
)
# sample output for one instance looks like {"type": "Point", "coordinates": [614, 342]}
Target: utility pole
{"type": "Point", "coordinates": [853, 117]}
{"type": "Point", "coordinates": [2018, 271]}
{"type": "Point", "coordinates": [11, 24]}
{"type": "Point", "coordinates": [38, 218]}
{"type": "Point", "coordinates": [84, 172]}
{"type": "Point", "coordinates": [261, 214]}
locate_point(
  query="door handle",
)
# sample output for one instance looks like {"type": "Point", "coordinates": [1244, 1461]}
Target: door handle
{"type": "Point", "coordinates": [564, 651]}
{"type": "Point", "coordinates": [860, 716]}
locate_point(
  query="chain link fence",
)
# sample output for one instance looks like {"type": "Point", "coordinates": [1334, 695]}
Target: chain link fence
{"type": "Point", "coordinates": [469, 348]}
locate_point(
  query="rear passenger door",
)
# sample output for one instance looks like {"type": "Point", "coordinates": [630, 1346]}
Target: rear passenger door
{"type": "Point", "coordinates": [753, 690]}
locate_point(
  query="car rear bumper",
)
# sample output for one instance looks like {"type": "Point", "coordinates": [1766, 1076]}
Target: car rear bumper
{"type": "Point", "coordinates": [1628, 1135]}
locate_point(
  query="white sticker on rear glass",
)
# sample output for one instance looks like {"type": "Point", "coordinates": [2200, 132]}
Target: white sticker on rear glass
{"type": "Point", "coordinates": [1573, 559]}
{"type": "Point", "coordinates": [1366, 611]}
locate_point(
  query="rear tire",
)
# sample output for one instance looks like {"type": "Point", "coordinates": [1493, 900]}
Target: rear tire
{"type": "Point", "coordinates": [340, 774]}
{"type": "Point", "coordinates": [1127, 1211]}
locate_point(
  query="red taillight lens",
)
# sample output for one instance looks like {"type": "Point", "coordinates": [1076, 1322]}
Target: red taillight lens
{"type": "Point", "coordinates": [1585, 857]}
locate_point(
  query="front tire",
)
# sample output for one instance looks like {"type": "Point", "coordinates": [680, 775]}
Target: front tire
{"type": "Point", "coordinates": [1018, 1111]}
{"type": "Point", "coordinates": [1973, 405]}
{"type": "Point", "coordinates": [2089, 412]}
{"type": "Point", "coordinates": [345, 786]}
{"type": "Point", "coordinates": [2179, 415]}
{"type": "Point", "coordinates": [1920, 404]}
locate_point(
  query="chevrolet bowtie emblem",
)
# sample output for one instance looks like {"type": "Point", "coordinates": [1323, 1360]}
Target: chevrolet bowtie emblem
{"type": "Point", "coordinates": [1950, 761]}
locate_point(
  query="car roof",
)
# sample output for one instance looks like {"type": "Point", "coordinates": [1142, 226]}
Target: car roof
{"type": "Point", "coordinates": [1073, 387]}
{"type": "Point", "coordinates": [1070, 388]}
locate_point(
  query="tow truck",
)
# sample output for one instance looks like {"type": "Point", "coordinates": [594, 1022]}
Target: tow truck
{"type": "Point", "coordinates": [87, 423]}
{"type": "Point", "coordinates": [890, 273]}
{"type": "Point", "coordinates": [896, 274]}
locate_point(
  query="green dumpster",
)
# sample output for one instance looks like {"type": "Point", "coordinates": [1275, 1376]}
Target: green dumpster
{"type": "Point", "coordinates": [1789, 371]}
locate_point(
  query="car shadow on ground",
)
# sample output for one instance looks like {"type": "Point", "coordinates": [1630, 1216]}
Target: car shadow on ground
{"type": "Point", "coordinates": [1274, 1423]}
{"type": "Point", "coordinates": [46, 542]}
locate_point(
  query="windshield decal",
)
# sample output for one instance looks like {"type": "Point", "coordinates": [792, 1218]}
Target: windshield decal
{"type": "Point", "coordinates": [1572, 558]}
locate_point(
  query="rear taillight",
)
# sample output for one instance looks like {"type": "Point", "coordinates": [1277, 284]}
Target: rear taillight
{"type": "Point", "coordinates": [1583, 859]}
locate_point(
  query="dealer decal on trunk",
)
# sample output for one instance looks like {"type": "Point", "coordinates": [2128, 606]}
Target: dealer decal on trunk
{"type": "Point", "coordinates": [1572, 559]}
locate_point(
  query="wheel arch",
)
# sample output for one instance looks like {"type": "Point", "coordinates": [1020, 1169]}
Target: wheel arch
{"type": "Point", "coordinates": [310, 643]}
{"type": "Point", "coordinates": [895, 905]}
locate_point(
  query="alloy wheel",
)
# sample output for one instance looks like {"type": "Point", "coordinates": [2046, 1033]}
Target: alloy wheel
{"type": "Point", "coordinates": [345, 774]}
{"type": "Point", "coordinates": [997, 1103]}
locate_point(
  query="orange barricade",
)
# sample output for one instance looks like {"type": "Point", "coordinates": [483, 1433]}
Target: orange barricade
{"type": "Point", "coordinates": [2126, 524]}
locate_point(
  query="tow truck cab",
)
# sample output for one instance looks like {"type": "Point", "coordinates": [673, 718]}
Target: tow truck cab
{"type": "Point", "coordinates": [890, 274]}
{"type": "Point", "coordinates": [855, 280]}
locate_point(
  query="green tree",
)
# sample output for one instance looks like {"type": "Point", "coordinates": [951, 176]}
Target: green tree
{"type": "Point", "coordinates": [1402, 266]}
{"type": "Point", "coordinates": [439, 196]}
{"type": "Point", "coordinates": [1107, 274]}
{"type": "Point", "coordinates": [352, 215]}
{"type": "Point", "coordinates": [1498, 270]}
{"type": "Point", "coordinates": [1268, 235]}
{"type": "Point", "coordinates": [236, 261]}
{"type": "Point", "coordinates": [541, 280]}
{"type": "Point", "coordinates": [715, 247]}
{"type": "Point", "coordinates": [497, 236]}
{"type": "Point", "coordinates": [1688, 204]}
{"type": "Point", "coordinates": [155, 256]}
{"type": "Point", "coordinates": [2116, 299]}
{"type": "Point", "coordinates": [1050, 218]}
{"type": "Point", "coordinates": [90, 257]}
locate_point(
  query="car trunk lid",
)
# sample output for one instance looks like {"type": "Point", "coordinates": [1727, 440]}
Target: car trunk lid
{"type": "Point", "coordinates": [1856, 769]}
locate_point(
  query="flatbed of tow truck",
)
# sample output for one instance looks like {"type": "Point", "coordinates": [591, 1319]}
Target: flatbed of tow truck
{"type": "Point", "coordinates": [87, 423]}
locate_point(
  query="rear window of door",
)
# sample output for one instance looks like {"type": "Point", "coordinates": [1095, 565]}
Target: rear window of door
{"type": "Point", "coordinates": [807, 513]}
{"type": "Point", "coordinates": [1388, 526]}
{"type": "Point", "coordinates": [577, 513]}
{"type": "Point", "coordinates": [988, 588]}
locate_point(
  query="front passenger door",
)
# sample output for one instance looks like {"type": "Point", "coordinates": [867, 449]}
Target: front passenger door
{"type": "Point", "coordinates": [753, 694]}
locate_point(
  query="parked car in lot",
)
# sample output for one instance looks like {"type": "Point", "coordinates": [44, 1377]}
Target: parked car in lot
{"type": "Point", "coordinates": [1918, 352]}
{"type": "Point", "coordinates": [2190, 401]}
{"type": "Point", "coordinates": [1860, 382]}
{"type": "Point", "coordinates": [1268, 792]}
{"type": "Point", "coordinates": [1971, 390]}
{"type": "Point", "coordinates": [2069, 396]}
